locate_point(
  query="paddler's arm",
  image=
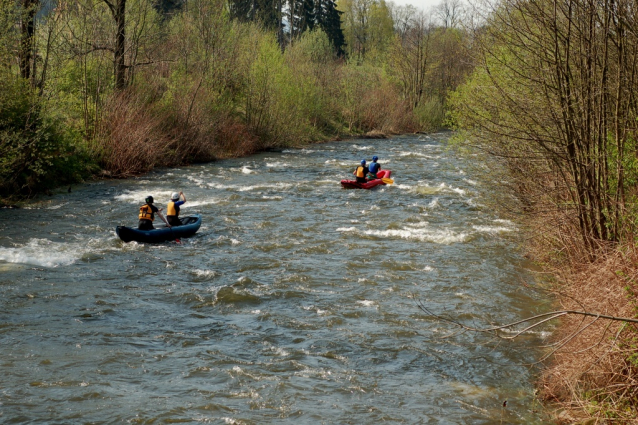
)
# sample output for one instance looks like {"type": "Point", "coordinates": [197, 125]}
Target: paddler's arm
{"type": "Point", "coordinates": [162, 217]}
{"type": "Point", "coordinates": [183, 196]}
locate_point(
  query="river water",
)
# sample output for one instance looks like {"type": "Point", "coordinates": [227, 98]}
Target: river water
{"type": "Point", "coordinates": [294, 303]}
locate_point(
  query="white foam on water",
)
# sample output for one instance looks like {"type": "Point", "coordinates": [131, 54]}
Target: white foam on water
{"type": "Point", "coordinates": [461, 172]}
{"type": "Point", "coordinates": [340, 163]}
{"type": "Point", "coordinates": [505, 222]}
{"type": "Point", "coordinates": [247, 170]}
{"type": "Point", "coordinates": [275, 198]}
{"type": "Point", "coordinates": [44, 253]}
{"type": "Point", "coordinates": [55, 207]}
{"type": "Point", "coordinates": [492, 229]}
{"type": "Point", "coordinates": [197, 181]}
{"type": "Point", "coordinates": [361, 148]}
{"type": "Point", "coordinates": [423, 189]}
{"type": "Point", "coordinates": [279, 351]}
{"type": "Point", "coordinates": [418, 232]}
{"type": "Point", "coordinates": [457, 190]}
{"type": "Point", "coordinates": [205, 273]}
{"type": "Point", "coordinates": [138, 196]}
{"type": "Point", "coordinates": [434, 204]}
{"type": "Point", "coordinates": [443, 236]}
{"type": "Point", "coordinates": [403, 186]}
{"type": "Point", "coordinates": [542, 334]}
{"type": "Point", "coordinates": [426, 189]}
{"type": "Point", "coordinates": [200, 202]}
{"type": "Point", "coordinates": [472, 182]}
{"type": "Point", "coordinates": [418, 155]}
{"type": "Point", "coordinates": [419, 225]}
{"type": "Point", "coordinates": [367, 303]}
{"type": "Point", "coordinates": [346, 229]}
{"type": "Point", "coordinates": [277, 164]}
{"type": "Point", "coordinates": [427, 269]}
{"type": "Point", "coordinates": [231, 240]}
{"type": "Point", "coordinates": [252, 187]}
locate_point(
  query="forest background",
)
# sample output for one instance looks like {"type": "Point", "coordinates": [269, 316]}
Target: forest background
{"type": "Point", "coordinates": [548, 87]}
{"type": "Point", "coordinates": [117, 87]}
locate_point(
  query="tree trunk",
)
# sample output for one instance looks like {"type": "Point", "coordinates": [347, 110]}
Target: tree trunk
{"type": "Point", "coordinates": [28, 33]}
{"type": "Point", "coordinates": [120, 44]}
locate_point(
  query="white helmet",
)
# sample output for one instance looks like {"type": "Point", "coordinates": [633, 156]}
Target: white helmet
{"type": "Point", "coordinates": [174, 196]}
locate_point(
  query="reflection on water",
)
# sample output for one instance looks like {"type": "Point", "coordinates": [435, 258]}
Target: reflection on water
{"type": "Point", "coordinates": [293, 303]}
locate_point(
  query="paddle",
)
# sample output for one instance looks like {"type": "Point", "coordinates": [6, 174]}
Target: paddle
{"type": "Point", "coordinates": [387, 181]}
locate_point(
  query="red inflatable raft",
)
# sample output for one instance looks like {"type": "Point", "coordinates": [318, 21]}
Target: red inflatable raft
{"type": "Point", "coordinates": [352, 184]}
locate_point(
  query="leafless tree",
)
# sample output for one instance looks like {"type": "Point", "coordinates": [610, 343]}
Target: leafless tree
{"type": "Point", "coordinates": [450, 12]}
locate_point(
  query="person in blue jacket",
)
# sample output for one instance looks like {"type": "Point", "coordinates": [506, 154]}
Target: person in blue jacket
{"type": "Point", "coordinates": [374, 168]}
{"type": "Point", "coordinates": [172, 211]}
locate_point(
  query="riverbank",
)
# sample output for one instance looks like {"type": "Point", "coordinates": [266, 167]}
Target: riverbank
{"type": "Point", "coordinates": [591, 371]}
{"type": "Point", "coordinates": [219, 152]}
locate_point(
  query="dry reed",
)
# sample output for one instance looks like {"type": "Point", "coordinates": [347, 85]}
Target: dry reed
{"type": "Point", "coordinates": [594, 375]}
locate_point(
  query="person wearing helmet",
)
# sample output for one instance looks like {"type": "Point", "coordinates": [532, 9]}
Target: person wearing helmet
{"type": "Point", "coordinates": [374, 168]}
{"type": "Point", "coordinates": [147, 215]}
{"type": "Point", "coordinates": [361, 172]}
{"type": "Point", "coordinates": [172, 211]}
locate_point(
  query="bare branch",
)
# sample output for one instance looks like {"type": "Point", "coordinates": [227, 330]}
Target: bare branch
{"type": "Point", "coordinates": [545, 317]}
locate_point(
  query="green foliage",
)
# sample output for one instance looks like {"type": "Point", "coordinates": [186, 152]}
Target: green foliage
{"type": "Point", "coordinates": [199, 85]}
{"type": "Point", "coordinates": [35, 153]}
{"type": "Point", "coordinates": [9, 35]}
{"type": "Point", "coordinates": [367, 28]}
{"type": "Point", "coordinates": [272, 99]}
{"type": "Point", "coordinates": [430, 114]}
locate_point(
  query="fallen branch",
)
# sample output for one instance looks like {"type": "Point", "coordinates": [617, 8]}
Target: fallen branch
{"type": "Point", "coordinates": [540, 319]}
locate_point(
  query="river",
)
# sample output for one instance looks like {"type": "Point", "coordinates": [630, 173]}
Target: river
{"type": "Point", "coordinates": [294, 303]}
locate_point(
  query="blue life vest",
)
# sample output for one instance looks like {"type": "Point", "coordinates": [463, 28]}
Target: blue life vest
{"type": "Point", "coordinates": [373, 167]}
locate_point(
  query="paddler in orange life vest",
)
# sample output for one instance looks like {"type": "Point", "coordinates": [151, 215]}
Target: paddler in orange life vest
{"type": "Point", "coordinates": [374, 168]}
{"type": "Point", "coordinates": [147, 215]}
{"type": "Point", "coordinates": [361, 172]}
{"type": "Point", "coordinates": [172, 211]}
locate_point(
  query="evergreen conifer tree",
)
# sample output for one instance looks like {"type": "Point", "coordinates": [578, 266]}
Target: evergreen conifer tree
{"type": "Point", "coordinates": [168, 7]}
{"type": "Point", "coordinates": [329, 20]}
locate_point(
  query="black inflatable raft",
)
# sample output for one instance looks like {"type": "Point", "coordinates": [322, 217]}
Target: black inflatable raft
{"type": "Point", "coordinates": [190, 225]}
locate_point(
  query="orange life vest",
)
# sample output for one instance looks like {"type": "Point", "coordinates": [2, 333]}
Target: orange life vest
{"type": "Point", "coordinates": [360, 171]}
{"type": "Point", "coordinates": [171, 210]}
{"type": "Point", "coordinates": [146, 213]}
